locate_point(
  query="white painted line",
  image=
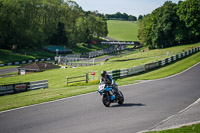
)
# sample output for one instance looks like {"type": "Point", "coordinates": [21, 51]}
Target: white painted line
{"type": "Point", "coordinates": [176, 126]}
{"type": "Point", "coordinates": [173, 127]}
{"type": "Point", "coordinates": [95, 92]}
{"type": "Point", "coordinates": [190, 106]}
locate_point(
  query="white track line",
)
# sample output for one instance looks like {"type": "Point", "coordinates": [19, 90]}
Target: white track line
{"type": "Point", "coordinates": [176, 126]}
{"type": "Point", "coordinates": [95, 92]}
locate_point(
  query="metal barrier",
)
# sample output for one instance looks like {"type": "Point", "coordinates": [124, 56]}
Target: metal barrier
{"type": "Point", "coordinates": [86, 57]}
{"type": "Point", "coordinates": [22, 87]}
{"type": "Point", "coordinates": [151, 66]}
{"type": "Point", "coordinates": [123, 72]}
{"type": "Point", "coordinates": [38, 84]}
{"type": "Point", "coordinates": [116, 74]}
{"type": "Point", "coordinates": [6, 89]}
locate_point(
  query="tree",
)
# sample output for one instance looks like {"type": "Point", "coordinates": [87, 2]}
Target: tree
{"type": "Point", "coordinates": [144, 34]}
{"type": "Point", "coordinates": [120, 16]}
{"type": "Point", "coordinates": [164, 24]}
{"type": "Point", "coordinates": [132, 18]}
{"type": "Point", "coordinates": [30, 23]}
{"type": "Point", "coordinates": [60, 36]}
{"type": "Point", "coordinates": [140, 17]}
{"type": "Point", "coordinates": [189, 12]}
{"type": "Point", "coordinates": [163, 28]}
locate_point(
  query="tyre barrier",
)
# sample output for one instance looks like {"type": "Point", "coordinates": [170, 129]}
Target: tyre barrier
{"type": "Point", "coordinates": [24, 62]}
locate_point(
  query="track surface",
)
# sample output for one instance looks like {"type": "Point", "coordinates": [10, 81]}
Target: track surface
{"type": "Point", "coordinates": [146, 104]}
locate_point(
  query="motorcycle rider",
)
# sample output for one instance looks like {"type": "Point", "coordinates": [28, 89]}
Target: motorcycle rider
{"type": "Point", "coordinates": [108, 80]}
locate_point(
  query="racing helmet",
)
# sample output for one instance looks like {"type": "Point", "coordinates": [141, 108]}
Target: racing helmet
{"type": "Point", "coordinates": [103, 74]}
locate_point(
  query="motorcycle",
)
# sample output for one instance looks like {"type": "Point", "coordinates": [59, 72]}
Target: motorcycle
{"type": "Point", "coordinates": [109, 95]}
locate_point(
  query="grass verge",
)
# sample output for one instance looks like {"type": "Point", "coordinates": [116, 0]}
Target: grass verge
{"type": "Point", "coordinates": [186, 129]}
{"type": "Point", "coordinates": [8, 74]}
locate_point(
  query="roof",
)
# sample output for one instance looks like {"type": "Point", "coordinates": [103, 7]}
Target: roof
{"type": "Point", "coordinates": [59, 49]}
{"type": "Point", "coordinates": [38, 66]}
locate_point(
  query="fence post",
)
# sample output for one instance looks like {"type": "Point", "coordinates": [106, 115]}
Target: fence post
{"type": "Point", "coordinates": [67, 80]}
{"type": "Point", "coordinates": [93, 61]}
{"type": "Point", "coordinates": [86, 77]}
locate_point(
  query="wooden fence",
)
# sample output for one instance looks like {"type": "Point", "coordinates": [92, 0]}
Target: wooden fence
{"type": "Point", "coordinates": [78, 79]}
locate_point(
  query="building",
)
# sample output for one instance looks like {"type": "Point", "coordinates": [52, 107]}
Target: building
{"type": "Point", "coordinates": [35, 67]}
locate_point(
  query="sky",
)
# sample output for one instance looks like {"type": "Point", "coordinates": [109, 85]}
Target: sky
{"type": "Point", "coordinates": [131, 7]}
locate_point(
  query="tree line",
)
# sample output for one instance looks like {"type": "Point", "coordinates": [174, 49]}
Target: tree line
{"type": "Point", "coordinates": [120, 16]}
{"type": "Point", "coordinates": [30, 23]}
{"type": "Point", "coordinates": [171, 24]}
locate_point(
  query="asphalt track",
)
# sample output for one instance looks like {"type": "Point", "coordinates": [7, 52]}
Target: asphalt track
{"type": "Point", "coordinates": [146, 104]}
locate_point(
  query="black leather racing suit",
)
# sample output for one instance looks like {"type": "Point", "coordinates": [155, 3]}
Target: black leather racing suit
{"type": "Point", "coordinates": [108, 80]}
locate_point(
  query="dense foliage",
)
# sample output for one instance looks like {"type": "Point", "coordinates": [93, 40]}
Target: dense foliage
{"type": "Point", "coordinates": [120, 16]}
{"type": "Point", "coordinates": [30, 23]}
{"type": "Point", "coordinates": [171, 24]}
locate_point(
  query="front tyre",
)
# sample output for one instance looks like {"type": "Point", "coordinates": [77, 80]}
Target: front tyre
{"type": "Point", "coordinates": [121, 98]}
{"type": "Point", "coordinates": [106, 100]}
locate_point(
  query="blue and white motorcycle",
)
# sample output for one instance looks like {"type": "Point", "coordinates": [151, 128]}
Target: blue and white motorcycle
{"type": "Point", "coordinates": [109, 95]}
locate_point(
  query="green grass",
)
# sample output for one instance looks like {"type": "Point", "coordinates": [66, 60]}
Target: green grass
{"type": "Point", "coordinates": [7, 74]}
{"type": "Point", "coordinates": [185, 129]}
{"type": "Point", "coordinates": [57, 81]}
{"type": "Point", "coordinates": [53, 93]}
{"type": "Point", "coordinates": [57, 77]}
{"type": "Point", "coordinates": [167, 52]}
{"type": "Point", "coordinates": [167, 70]}
{"type": "Point", "coordinates": [82, 48]}
{"type": "Point", "coordinates": [123, 30]}
{"type": "Point", "coordinates": [24, 54]}
{"type": "Point", "coordinates": [40, 96]}
{"type": "Point", "coordinates": [4, 67]}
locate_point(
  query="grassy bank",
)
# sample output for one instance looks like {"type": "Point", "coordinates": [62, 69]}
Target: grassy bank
{"type": "Point", "coordinates": [56, 91]}
{"type": "Point", "coordinates": [26, 54]}
{"type": "Point", "coordinates": [20, 55]}
{"type": "Point", "coordinates": [82, 48]}
{"type": "Point", "coordinates": [123, 30]}
{"type": "Point", "coordinates": [57, 77]}
{"type": "Point", "coordinates": [165, 71]}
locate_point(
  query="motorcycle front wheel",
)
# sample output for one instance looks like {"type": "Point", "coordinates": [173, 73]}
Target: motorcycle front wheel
{"type": "Point", "coordinates": [121, 99]}
{"type": "Point", "coordinates": [106, 100]}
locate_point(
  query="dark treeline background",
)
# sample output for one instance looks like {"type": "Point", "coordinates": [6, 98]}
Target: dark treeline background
{"type": "Point", "coordinates": [120, 16]}
{"type": "Point", "coordinates": [171, 24]}
{"type": "Point", "coordinates": [30, 23]}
